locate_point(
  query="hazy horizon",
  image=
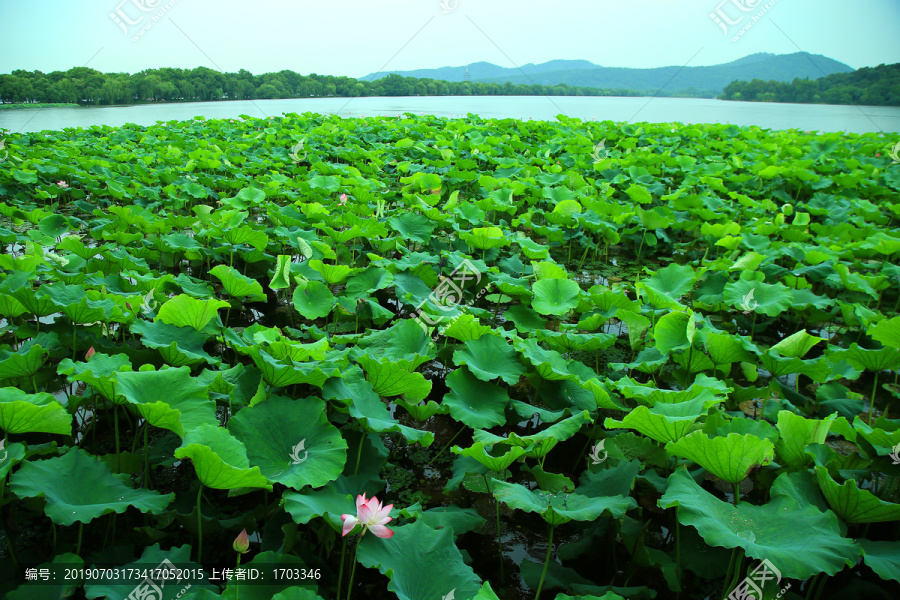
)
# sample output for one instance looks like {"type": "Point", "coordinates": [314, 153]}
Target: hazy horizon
{"type": "Point", "coordinates": [354, 38]}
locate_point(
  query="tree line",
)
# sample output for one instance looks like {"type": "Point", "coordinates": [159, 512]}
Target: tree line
{"type": "Point", "coordinates": [87, 86]}
{"type": "Point", "coordinates": [870, 86]}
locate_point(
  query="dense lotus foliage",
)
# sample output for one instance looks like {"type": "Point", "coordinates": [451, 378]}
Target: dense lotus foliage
{"type": "Point", "coordinates": [580, 359]}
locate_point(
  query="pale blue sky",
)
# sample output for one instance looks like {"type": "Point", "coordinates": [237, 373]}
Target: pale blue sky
{"type": "Point", "coordinates": [354, 37]}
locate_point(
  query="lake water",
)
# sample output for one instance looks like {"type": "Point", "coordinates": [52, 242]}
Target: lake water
{"type": "Point", "coordinates": [814, 117]}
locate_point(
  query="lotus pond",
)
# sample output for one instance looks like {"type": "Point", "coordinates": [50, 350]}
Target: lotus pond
{"type": "Point", "coordinates": [581, 360]}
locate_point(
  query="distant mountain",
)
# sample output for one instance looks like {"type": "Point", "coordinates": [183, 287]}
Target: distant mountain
{"type": "Point", "coordinates": [710, 80]}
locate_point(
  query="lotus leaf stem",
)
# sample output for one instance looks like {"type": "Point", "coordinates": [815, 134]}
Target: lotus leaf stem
{"type": "Point", "coordinates": [362, 438]}
{"type": "Point", "coordinates": [447, 445]}
{"type": "Point", "coordinates": [80, 534]}
{"type": "Point", "coordinates": [353, 570]}
{"type": "Point", "coordinates": [546, 564]}
{"type": "Point", "coordinates": [199, 527]}
{"type": "Point", "coordinates": [497, 510]}
{"type": "Point", "coordinates": [340, 580]}
{"type": "Point", "coordinates": [872, 401]}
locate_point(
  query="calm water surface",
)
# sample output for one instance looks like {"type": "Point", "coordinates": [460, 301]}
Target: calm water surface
{"type": "Point", "coordinates": [813, 117]}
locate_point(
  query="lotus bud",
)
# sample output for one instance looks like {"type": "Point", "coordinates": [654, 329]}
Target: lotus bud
{"type": "Point", "coordinates": [242, 542]}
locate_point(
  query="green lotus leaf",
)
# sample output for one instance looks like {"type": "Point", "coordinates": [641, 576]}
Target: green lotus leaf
{"type": "Point", "coordinates": [98, 372]}
{"type": "Point", "coordinates": [53, 589]}
{"type": "Point", "coordinates": [460, 520]}
{"type": "Point", "coordinates": [394, 378]}
{"type": "Point", "coordinates": [220, 460]}
{"type": "Point", "coordinates": [420, 563]}
{"type": "Point", "coordinates": [291, 441]}
{"type": "Point", "coordinates": [674, 331]}
{"type": "Point", "coordinates": [422, 412]}
{"type": "Point", "coordinates": [73, 301]}
{"type": "Point", "coordinates": [269, 587]}
{"type": "Point", "coordinates": [663, 422]}
{"type": "Point", "coordinates": [151, 558]}
{"type": "Point", "coordinates": [10, 307]}
{"type": "Point", "coordinates": [561, 507]}
{"type": "Point", "coordinates": [673, 280]}
{"type": "Point", "coordinates": [756, 296]}
{"type": "Point", "coordinates": [883, 558]}
{"type": "Point", "coordinates": [32, 413]}
{"type": "Point", "coordinates": [532, 249]}
{"type": "Point", "coordinates": [614, 481]}
{"type": "Point", "coordinates": [852, 504]}
{"type": "Point", "coordinates": [539, 444]}
{"type": "Point", "coordinates": [884, 359]}
{"type": "Point", "coordinates": [185, 311]}
{"type": "Point", "coordinates": [284, 372]}
{"type": "Point", "coordinates": [313, 299]}
{"type": "Point", "coordinates": [637, 325]}
{"type": "Point", "coordinates": [404, 340]}
{"type": "Point", "coordinates": [796, 434]}
{"type": "Point", "coordinates": [281, 278]}
{"type": "Point", "coordinates": [549, 364]}
{"type": "Point", "coordinates": [882, 437]}
{"type": "Point", "coordinates": [178, 346]}
{"type": "Point", "coordinates": [495, 460]}
{"type": "Point", "coordinates": [551, 482]}
{"type": "Point", "coordinates": [565, 341]}
{"type": "Point", "coordinates": [292, 593]}
{"type": "Point", "coordinates": [369, 281]}
{"type": "Point", "coordinates": [796, 345]}
{"type": "Point", "coordinates": [725, 349]}
{"type": "Point", "coordinates": [524, 318]}
{"type": "Point", "coordinates": [799, 541]}
{"type": "Point", "coordinates": [887, 332]}
{"type": "Point", "coordinates": [237, 285]}
{"type": "Point", "coordinates": [485, 238]}
{"type": "Point", "coordinates": [729, 458]}
{"type": "Point", "coordinates": [29, 358]}
{"type": "Point", "coordinates": [417, 228]}
{"type": "Point", "coordinates": [366, 406]}
{"type": "Point", "coordinates": [10, 456]}
{"type": "Point", "coordinates": [332, 274]}
{"type": "Point", "coordinates": [555, 296]}
{"type": "Point", "coordinates": [76, 487]}
{"type": "Point", "coordinates": [170, 398]}
{"type": "Point", "coordinates": [331, 501]}
{"type": "Point", "coordinates": [476, 403]}
{"type": "Point", "coordinates": [465, 328]}
{"type": "Point", "coordinates": [490, 357]}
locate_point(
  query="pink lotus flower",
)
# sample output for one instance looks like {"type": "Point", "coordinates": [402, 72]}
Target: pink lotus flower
{"type": "Point", "coordinates": [89, 353]}
{"type": "Point", "coordinates": [242, 542]}
{"type": "Point", "coordinates": [371, 515]}
{"type": "Point", "coordinates": [62, 184]}
{"type": "Point", "coordinates": [343, 199]}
